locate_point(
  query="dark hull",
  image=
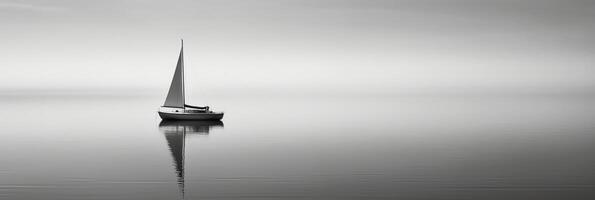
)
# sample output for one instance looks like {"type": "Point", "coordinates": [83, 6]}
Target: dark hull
{"type": "Point", "coordinates": [186, 123]}
{"type": "Point", "coordinates": [191, 116]}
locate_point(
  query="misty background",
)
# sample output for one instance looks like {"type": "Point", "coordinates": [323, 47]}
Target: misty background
{"type": "Point", "coordinates": [324, 99]}
{"type": "Point", "coordinates": [327, 46]}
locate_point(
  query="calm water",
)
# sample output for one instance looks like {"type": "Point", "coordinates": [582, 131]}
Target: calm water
{"type": "Point", "coordinates": [405, 147]}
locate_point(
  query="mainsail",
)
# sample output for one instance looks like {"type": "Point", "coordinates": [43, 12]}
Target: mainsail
{"type": "Point", "coordinates": [175, 96]}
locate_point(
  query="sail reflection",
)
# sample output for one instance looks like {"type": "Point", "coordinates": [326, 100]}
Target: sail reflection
{"type": "Point", "coordinates": [175, 134]}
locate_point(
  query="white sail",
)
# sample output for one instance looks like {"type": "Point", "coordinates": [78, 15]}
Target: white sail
{"type": "Point", "coordinates": [175, 96]}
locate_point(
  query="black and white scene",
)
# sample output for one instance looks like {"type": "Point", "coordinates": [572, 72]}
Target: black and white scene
{"type": "Point", "coordinates": [297, 99]}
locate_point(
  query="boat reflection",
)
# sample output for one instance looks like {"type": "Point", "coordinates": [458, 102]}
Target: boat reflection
{"type": "Point", "coordinates": [175, 134]}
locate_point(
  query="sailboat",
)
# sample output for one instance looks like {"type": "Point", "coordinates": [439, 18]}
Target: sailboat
{"type": "Point", "coordinates": [175, 107]}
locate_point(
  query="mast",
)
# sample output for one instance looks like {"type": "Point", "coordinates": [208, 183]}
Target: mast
{"type": "Point", "coordinates": [182, 61]}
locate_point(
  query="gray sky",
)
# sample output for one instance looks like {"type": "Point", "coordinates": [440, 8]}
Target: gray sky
{"type": "Point", "coordinates": [358, 45]}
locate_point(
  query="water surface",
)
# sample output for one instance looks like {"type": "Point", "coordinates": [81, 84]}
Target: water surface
{"type": "Point", "coordinates": [275, 147]}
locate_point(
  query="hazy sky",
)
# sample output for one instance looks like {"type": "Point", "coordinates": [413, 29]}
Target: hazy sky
{"type": "Point", "coordinates": [298, 44]}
